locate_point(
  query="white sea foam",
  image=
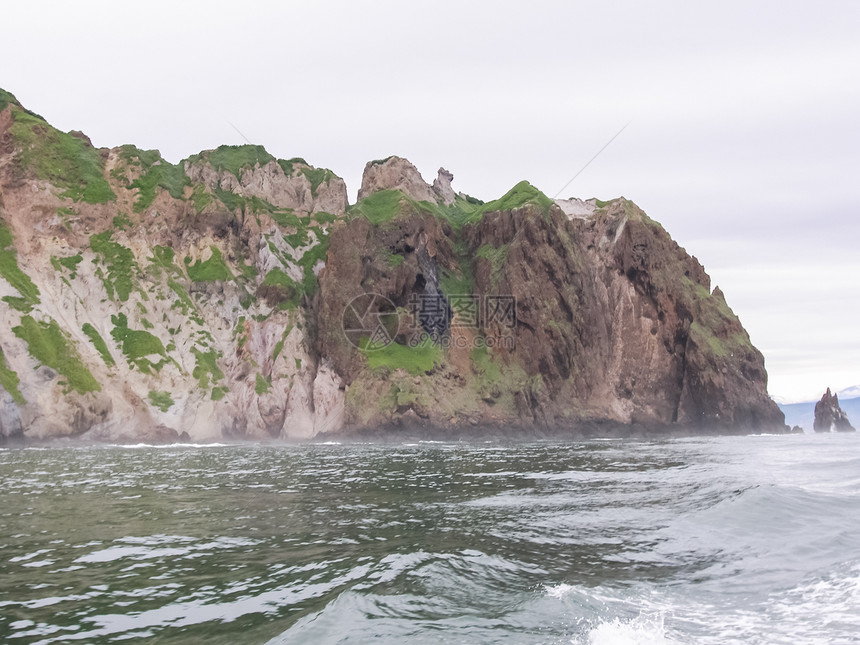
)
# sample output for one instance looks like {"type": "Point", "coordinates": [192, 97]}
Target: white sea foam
{"type": "Point", "coordinates": [132, 446]}
{"type": "Point", "coordinates": [645, 629]}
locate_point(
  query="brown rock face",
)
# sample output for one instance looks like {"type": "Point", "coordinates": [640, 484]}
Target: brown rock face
{"type": "Point", "coordinates": [829, 417]}
{"type": "Point", "coordinates": [395, 173]}
{"type": "Point", "coordinates": [615, 324]}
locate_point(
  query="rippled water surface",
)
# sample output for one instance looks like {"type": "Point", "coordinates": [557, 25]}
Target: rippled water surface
{"type": "Point", "coordinates": [729, 540]}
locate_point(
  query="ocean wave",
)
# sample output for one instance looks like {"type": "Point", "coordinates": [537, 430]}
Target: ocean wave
{"type": "Point", "coordinates": [645, 629]}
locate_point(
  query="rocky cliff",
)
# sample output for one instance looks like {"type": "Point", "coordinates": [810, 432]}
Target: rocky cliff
{"type": "Point", "coordinates": [239, 295]}
{"type": "Point", "coordinates": [829, 416]}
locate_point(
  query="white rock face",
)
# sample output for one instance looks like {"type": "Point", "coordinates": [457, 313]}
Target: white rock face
{"type": "Point", "coordinates": [395, 173]}
{"type": "Point", "coordinates": [576, 208]}
{"type": "Point", "coordinates": [201, 360]}
{"type": "Point", "coordinates": [270, 183]}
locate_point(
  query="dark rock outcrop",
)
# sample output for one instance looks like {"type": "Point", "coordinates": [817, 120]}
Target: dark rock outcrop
{"type": "Point", "coordinates": [613, 324]}
{"type": "Point", "coordinates": [829, 417]}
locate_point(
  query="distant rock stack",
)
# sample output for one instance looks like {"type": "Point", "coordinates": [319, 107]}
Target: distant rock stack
{"type": "Point", "coordinates": [829, 417]}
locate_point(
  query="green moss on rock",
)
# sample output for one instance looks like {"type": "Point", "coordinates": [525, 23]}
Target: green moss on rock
{"type": "Point", "coordinates": [520, 195]}
{"type": "Point", "coordinates": [317, 177]}
{"type": "Point", "coordinates": [10, 271]}
{"type": "Point", "coordinates": [64, 160]}
{"type": "Point", "coordinates": [287, 165]}
{"type": "Point", "coordinates": [161, 400]}
{"type": "Point", "coordinates": [380, 207]}
{"type": "Point", "coordinates": [206, 367]}
{"type": "Point", "coordinates": [155, 173]}
{"type": "Point", "coordinates": [137, 345]}
{"type": "Point", "coordinates": [120, 264]}
{"type": "Point", "coordinates": [210, 270]}
{"type": "Point", "coordinates": [234, 159]}
{"type": "Point", "coordinates": [415, 360]}
{"type": "Point", "coordinates": [262, 386]}
{"type": "Point", "coordinates": [99, 343]}
{"type": "Point", "coordinates": [9, 380]}
{"type": "Point", "coordinates": [51, 346]}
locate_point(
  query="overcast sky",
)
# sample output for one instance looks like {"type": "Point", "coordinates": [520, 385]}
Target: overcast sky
{"type": "Point", "coordinates": [744, 138]}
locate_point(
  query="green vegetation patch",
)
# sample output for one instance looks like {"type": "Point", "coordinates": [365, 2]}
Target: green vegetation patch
{"type": "Point", "coordinates": [298, 239]}
{"type": "Point", "coordinates": [161, 400]}
{"type": "Point", "coordinates": [520, 195]}
{"type": "Point", "coordinates": [285, 218]}
{"type": "Point", "coordinates": [162, 257]}
{"type": "Point", "coordinates": [51, 346]}
{"type": "Point", "coordinates": [69, 263]}
{"type": "Point", "coordinates": [380, 207]}
{"type": "Point", "coordinates": [209, 270]}
{"type": "Point", "coordinates": [234, 159]}
{"type": "Point", "coordinates": [703, 337]}
{"type": "Point", "coordinates": [137, 345]}
{"type": "Point", "coordinates": [464, 210]}
{"type": "Point", "coordinates": [66, 161]}
{"type": "Point", "coordinates": [287, 164]}
{"type": "Point", "coordinates": [317, 177]}
{"type": "Point", "coordinates": [183, 301]}
{"type": "Point", "coordinates": [379, 162]}
{"type": "Point", "coordinates": [324, 218]}
{"type": "Point", "coordinates": [262, 386]}
{"type": "Point", "coordinates": [9, 379]}
{"type": "Point", "coordinates": [279, 346]}
{"type": "Point", "coordinates": [121, 221]}
{"type": "Point", "coordinates": [219, 393]}
{"type": "Point", "coordinates": [120, 263]}
{"type": "Point", "coordinates": [415, 360]}
{"type": "Point", "coordinates": [313, 256]}
{"type": "Point", "coordinates": [201, 198]}
{"type": "Point", "coordinates": [394, 260]}
{"type": "Point", "coordinates": [483, 364]}
{"type": "Point", "coordinates": [99, 343]}
{"type": "Point", "coordinates": [6, 98]}
{"type": "Point", "coordinates": [14, 276]}
{"type": "Point", "coordinates": [712, 318]}
{"type": "Point", "coordinates": [232, 201]}
{"type": "Point", "coordinates": [206, 367]}
{"type": "Point", "coordinates": [155, 173]}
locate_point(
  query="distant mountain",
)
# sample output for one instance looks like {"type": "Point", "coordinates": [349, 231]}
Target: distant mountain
{"type": "Point", "coordinates": [850, 392]}
{"type": "Point", "coordinates": [803, 414]}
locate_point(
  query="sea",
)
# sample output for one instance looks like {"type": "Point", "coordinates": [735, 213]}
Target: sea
{"type": "Point", "coordinates": [719, 540]}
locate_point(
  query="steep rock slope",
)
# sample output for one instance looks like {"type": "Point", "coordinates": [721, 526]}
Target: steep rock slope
{"type": "Point", "coordinates": [142, 299]}
{"type": "Point", "coordinates": [615, 324]}
{"type": "Point", "coordinates": [238, 295]}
